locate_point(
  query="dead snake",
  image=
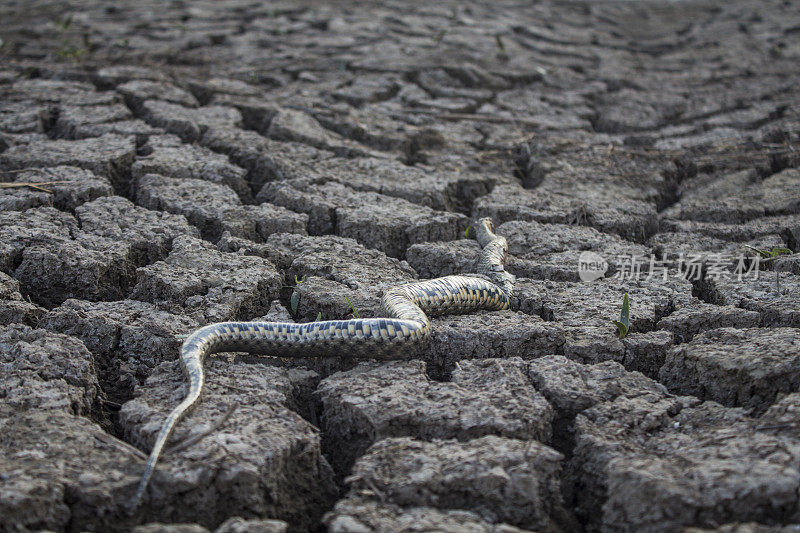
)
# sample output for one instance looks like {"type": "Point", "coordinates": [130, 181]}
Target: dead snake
{"type": "Point", "coordinates": [406, 325]}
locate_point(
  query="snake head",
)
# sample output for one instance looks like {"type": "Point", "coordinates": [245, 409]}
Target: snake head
{"type": "Point", "coordinates": [484, 231]}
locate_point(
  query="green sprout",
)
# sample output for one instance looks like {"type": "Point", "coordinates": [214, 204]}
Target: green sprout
{"type": "Point", "coordinates": [66, 49]}
{"type": "Point", "coordinates": [502, 54]}
{"type": "Point", "coordinates": [64, 25]}
{"type": "Point", "coordinates": [623, 324]}
{"type": "Point", "coordinates": [770, 255]}
{"type": "Point", "coordinates": [355, 312]}
{"type": "Point", "coordinates": [70, 52]}
{"type": "Point", "coordinates": [466, 232]}
{"type": "Point", "coordinates": [294, 300]}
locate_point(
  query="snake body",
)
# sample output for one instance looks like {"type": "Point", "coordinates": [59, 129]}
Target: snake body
{"type": "Point", "coordinates": [405, 327]}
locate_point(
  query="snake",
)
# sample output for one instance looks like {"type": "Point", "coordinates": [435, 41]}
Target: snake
{"type": "Point", "coordinates": [403, 327]}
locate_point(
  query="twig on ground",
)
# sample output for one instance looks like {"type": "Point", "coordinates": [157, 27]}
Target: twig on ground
{"type": "Point", "coordinates": [494, 119]}
{"type": "Point", "coordinates": [215, 426]}
{"type": "Point", "coordinates": [32, 184]}
{"type": "Point", "coordinates": [111, 441]}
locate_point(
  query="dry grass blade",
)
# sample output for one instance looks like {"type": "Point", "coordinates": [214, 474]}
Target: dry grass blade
{"type": "Point", "coordinates": [33, 185]}
{"type": "Point", "coordinates": [191, 440]}
{"type": "Point", "coordinates": [492, 119]}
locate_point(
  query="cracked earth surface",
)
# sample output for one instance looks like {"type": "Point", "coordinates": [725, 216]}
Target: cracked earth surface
{"type": "Point", "coordinates": [195, 160]}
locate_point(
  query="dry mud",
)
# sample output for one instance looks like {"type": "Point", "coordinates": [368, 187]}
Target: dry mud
{"type": "Point", "coordinates": [196, 160]}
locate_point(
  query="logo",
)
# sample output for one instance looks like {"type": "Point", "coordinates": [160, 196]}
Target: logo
{"type": "Point", "coordinates": [591, 266]}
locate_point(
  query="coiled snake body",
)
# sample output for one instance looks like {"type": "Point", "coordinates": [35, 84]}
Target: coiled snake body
{"type": "Point", "coordinates": [406, 309]}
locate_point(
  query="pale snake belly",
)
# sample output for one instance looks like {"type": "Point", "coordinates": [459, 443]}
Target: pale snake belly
{"type": "Point", "coordinates": [405, 327]}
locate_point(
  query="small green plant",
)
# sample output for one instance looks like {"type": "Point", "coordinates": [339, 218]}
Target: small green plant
{"type": "Point", "coordinates": [623, 324]}
{"type": "Point", "coordinates": [70, 52]}
{"type": "Point", "coordinates": [355, 312]}
{"type": "Point", "coordinates": [502, 55]}
{"type": "Point", "coordinates": [67, 48]}
{"type": "Point", "coordinates": [770, 255]}
{"type": "Point", "coordinates": [294, 300]}
{"type": "Point", "coordinates": [466, 232]}
{"type": "Point", "coordinates": [64, 24]}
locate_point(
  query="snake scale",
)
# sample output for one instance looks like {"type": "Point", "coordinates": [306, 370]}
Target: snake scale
{"type": "Point", "coordinates": [406, 324]}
